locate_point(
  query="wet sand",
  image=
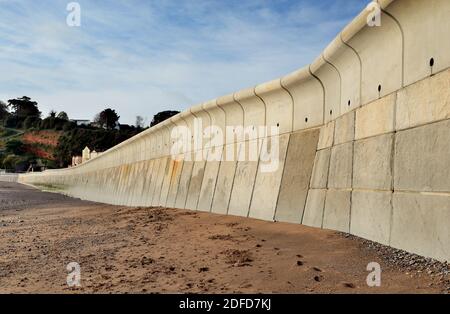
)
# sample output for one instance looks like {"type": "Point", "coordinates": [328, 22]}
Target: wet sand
{"type": "Point", "coordinates": [160, 250]}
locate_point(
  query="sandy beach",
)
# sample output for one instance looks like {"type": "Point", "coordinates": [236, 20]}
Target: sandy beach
{"type": "Point", "coordinates": [162, 250]}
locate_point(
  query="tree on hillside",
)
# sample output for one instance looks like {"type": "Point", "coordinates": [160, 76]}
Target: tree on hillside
{"type": "Point", "coordinates": [31, 122]}
{"type": "Point", "coordinates": [10, 161]}
{"type": "Point", "coordinates": [139, 122]}
{"type": "Point", "coordinates": [52, 114]}
{"type": "Point", "coordinates": [108, 119]}
{"type": "Point", "coordinates": [15, 147]}
{"type": "Point", "coordinates": [24, 107]}
{"type": "Point", "coordinates": [4, 113]}
{"type": "Point", "coordinates": [161, 116]}
{"type": "Point", "coordinates": [63, 116]}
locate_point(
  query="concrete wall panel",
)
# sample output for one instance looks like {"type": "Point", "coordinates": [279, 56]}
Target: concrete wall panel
{"type": "Point", "coordinates": [422, 158]}
{"type": "Point", "coordinates": [218, 119]}
{"type": "Point", "coordinates": [424, 102]}
{"type": "Point", "coordinates": [208, 186]}
{"type": "Point", "coordinates": [115, 188]}
{"type": "Point", "coordinates": [148, 171]}
{"type": "Point", "coordinates": [253, 106]}
{"type": "Point", "coordinates": [156, 201]}
{"type": "Point", "coordinates": [244, 181]}
{"type": "Point", "coordinates": [328, 74]}
{"type": "Point", "coordinates": [195, 185]}
{"type": "Point", "coordinates": [224, 186]}
{"type": "Point", "coordinates": [202, 115]}
{"type": "Point", "coordinates": [267, 184]}
{"type": "Point", "coordinates": [373, 163]}
{"type": "Point", "coordinates": [153, 198]}
{"type": "Point", "coordinates": [242, 188]}
{"type": "Point", "coordinates": [427, 20]}
{"type": "Point", "coordinates": [183, 187]}
{"type": "Point", "coordinates": [337, 210]}
{"type": "Point", "coordinates": [140, 178]}
{"type": "Point", "coordinates": [166, 181]}
{"type": "Point", "coordinates": [9, 178]}
{"type": "Point", "coordinates": [326, 138]}
{"type": "Point", "coordinates": [308, 95]}
{"type": "Point", "coordinates": [376, 118]}
{"type": "Point", "coordinates": [192, 125]}
{"type": "Point", "coordinates": [279, 105]}
{"type": "Point", "coordinates": [380, 49]}
{"type": "Point", "coordinates": [174, 183]}
{"type": "Point", "coordinates": [371, 215]}
{"type": "Point", "coordinates": [345, 128]}
{"type": "Point", "coordinates": [319, 179]}
{"type": "Point", "coordinates": [234, 113]}
{"type": "Point", "coordinates": [420, 224]}
{"type": "Point", "coordinates": [123, 186]}
{"type": "Point", "coordinates": [341, 163]}
{"type": "Point", "coordinates": [314, 208]}
{"type": "Point", "coordinates": [348, 64]}
{"type": "Point", "coordinates": [296, 176]}
{"type": "Point", "coordinates": [133, 181]}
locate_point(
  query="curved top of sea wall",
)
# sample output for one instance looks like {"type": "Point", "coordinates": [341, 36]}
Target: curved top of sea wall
{"type": "Point", "coordinates": [362, 64]}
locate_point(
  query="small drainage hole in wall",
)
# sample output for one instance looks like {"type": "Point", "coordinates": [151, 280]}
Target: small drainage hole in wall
{"type": "Point", "coordinates": [431, 62]}
{"type": "Point", "coordinates": [379, 88]}
{"type": "Point", "coordinates": [349, 103]}
{"type": "Point", "coordinates": [306, 120]}
{"type": "Point", "coordinates": [278, 125]}
{"type": "Point", "coordinates": [331, 112]}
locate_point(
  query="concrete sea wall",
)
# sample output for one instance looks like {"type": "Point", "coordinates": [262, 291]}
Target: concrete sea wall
{"type": "Point", "coordinates": [363, 139]}
{"type": "Point", "coordinates": [8, 177]}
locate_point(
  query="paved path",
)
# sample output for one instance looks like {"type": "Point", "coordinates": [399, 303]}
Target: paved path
{"type": "Point", "coordinates": [19, 197]}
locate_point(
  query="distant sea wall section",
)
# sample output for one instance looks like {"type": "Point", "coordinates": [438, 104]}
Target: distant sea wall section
{"type": "Point", "coordinates": [4, 177]}
{"type": "Point", "coordinates": [363, 133]}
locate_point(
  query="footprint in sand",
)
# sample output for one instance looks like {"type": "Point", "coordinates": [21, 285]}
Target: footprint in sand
{"type": "Point", "coordinates": [318, 278]}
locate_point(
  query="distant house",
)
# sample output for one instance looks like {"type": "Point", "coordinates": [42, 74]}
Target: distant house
{"type": "Point", "coordinates": [99, 126]}
{"type": "Point", "coordinates": [82, 122]}
{"type": "Point", "coordinates": [86, 155]}
{"type": "Point", "coordinates": [96, 125]}
{"type": "Point", "coordinates": [124, 127]}
{"type": "Point", "coordinates": [95, 154]}
{"type": "Point", "coordinates": [76, 160]}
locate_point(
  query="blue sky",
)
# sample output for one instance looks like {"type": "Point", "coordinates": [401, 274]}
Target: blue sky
{"type": "Point", "coordinates": [143, 56]}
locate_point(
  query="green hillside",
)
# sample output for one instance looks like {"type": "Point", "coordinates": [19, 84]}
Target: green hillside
{"type": "Point", "coordinates": [28, 141]}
